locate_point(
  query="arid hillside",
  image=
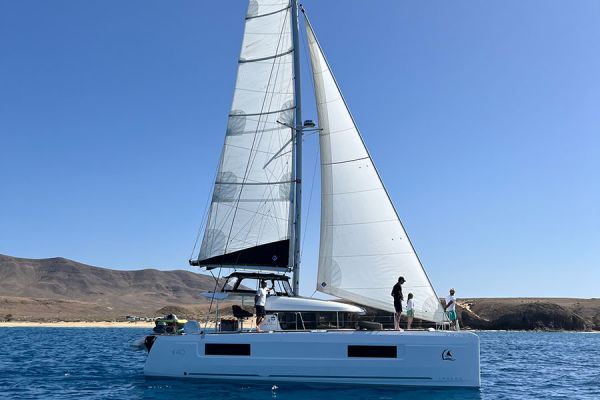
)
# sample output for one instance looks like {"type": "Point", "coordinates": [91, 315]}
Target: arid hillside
{"type": "Point", "coordinates": [58, 289]}
{"type": "Point", "coordinates": [62, 289]}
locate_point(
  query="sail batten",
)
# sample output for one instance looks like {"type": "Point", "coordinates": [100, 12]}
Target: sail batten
{"type": "Point", "coordinates": [248, 220]}
{"type": "Point", "coordinates": [364, 247]}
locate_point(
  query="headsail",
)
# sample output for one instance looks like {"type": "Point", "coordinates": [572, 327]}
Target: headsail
{"type": "Point", "coordinates": [249, 218]}
{"type": "Point", "coordinates": [364, 248]}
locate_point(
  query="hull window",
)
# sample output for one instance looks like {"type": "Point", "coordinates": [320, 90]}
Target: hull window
{"type": "Point", "coordinates": [223, 349]}
{"type": "Point", "coordinates": [373, 351]}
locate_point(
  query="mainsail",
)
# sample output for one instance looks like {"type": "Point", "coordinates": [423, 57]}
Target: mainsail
{"type": "Point", "coordinates": [364, 247]}
{"type": "Point", "coordinates": [248, 223]}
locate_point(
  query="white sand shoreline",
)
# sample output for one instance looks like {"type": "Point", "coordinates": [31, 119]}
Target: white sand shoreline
{"type": "Point", "coordinates": [79, 324]}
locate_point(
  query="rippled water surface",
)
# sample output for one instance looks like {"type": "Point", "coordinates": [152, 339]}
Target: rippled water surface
{"type": "Point", "coordinates": [89, 363]}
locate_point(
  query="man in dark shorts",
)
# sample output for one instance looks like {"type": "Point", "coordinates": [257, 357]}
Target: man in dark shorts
{"type": "Point", "coordinates": [259, 303]}
{"type": "Point", "coordinates": [398, 297]}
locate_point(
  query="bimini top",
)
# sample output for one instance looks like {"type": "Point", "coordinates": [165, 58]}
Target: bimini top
{"type": "Point", "coordinates": [303, 304]}
{"type": "Point", "coordinates": [278, 282]}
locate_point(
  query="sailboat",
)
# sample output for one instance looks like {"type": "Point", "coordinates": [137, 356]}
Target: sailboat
{"type": "Point", "coordinates": [252, 231]}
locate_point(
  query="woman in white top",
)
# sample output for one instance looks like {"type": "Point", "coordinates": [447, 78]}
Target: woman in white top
{"type": "Point", "coordinates": [410, 310]}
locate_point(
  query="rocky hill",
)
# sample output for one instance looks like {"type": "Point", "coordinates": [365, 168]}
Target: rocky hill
{"type": "Point", "coordinates": [530, 313]}
{"type": "Point", "coordinates": [62, 289]}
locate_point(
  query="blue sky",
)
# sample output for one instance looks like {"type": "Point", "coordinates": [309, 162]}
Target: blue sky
{"type": "Point", "coordinates": [483, 119]}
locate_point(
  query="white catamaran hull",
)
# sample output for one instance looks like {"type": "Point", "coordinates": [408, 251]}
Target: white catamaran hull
{"type": "Point", "coordinates": [415, 358]}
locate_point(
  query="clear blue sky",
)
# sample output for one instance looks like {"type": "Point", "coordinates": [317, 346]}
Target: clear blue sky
{"type": "Point", "coordinates": [482, 117]}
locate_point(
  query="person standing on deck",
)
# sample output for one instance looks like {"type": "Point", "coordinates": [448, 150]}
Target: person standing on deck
{"type": "Point", "coordinates": [450, 309]}
{"type": "Point", "coordinates": [259, 303]}
{"type": "Point", "coordinates": [398, 297]}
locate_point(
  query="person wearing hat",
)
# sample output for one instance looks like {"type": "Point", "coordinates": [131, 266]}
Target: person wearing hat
{"type": "Point", "coordinates": [450, 308]}
{"type": "Point", "coordinates": [398, 297]}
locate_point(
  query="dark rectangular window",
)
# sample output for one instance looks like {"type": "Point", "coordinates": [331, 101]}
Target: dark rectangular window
{"type": "Point", "coordinates": [373, 351]}
{"type": "Point", "coordinates": [223, 349]}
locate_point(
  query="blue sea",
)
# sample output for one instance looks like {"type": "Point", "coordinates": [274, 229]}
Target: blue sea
{"type": "Point", "coordinates": [97, 363]}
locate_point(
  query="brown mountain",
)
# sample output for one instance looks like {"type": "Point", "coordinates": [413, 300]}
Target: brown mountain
{"type": "Point", "coordinates": [62, 289]}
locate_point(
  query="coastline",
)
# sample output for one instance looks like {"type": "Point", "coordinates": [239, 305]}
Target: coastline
{"type": "Point", "coordinates": [77, 324]}
{"type": "Point", "coordinates": [150, 325]}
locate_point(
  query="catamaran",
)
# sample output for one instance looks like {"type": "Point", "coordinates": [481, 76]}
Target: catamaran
{"type": "Point", "coordinates": [253, 226]}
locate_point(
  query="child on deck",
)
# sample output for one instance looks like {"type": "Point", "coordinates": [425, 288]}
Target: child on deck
{"type": "Point", "coordinates": [410, 310]}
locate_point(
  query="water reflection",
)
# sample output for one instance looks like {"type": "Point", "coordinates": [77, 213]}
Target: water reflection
{"type": "Point", "coordinates": [159, 388]}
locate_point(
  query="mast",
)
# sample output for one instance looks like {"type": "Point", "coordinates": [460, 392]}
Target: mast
{"type": "Point", "coordinates": [297, 132]}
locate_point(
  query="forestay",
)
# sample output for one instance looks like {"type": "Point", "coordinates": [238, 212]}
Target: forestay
{"type": "Point", "coordinates": [249, 218]}
{"type": "Point", "coordinates": [364, 248]}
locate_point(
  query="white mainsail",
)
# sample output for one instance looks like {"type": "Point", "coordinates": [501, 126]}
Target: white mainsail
{"type": "Point", "coordinates": [248, 222]}
{"type": "Point", "coordinates": [364, 248]}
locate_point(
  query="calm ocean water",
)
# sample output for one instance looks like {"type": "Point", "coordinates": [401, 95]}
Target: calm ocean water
{"type": "Point", "coordinates": [87, 363]}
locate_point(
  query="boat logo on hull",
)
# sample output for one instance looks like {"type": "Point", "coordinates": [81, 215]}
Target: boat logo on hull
{"type": "Point", "coordinates": [447, 355]}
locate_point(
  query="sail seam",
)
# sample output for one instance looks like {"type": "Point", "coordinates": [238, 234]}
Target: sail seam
{"type": "Point", "coordinates": [353, 192]}
{"type": "Point", "coordinates": [381, 287]}
{"type": "Point", "coordinates": [226, 202]}
{"type": "Point", "coordinates": [332, 101]}
{"type": "Point", "coordinates": [252, 211]}
{"type": "Point", "coordinates": [373, 255]}
{"type": "Point", "coordinates": [267, 14]}
{"type": "Point", "coordinates": [320, 61]}
{"type": "Point", "coordinates": [262, 113]}
{"type": "Point", "coordinates": [244, 61]}
{"type": "Point", "coordinates": [253, 183]}
{"type": "Point", "coordinates": [259, 91]}
{"type": "Point", "coordinates": [330, 132]}
{"type": "Point", "coordinates": [261, 207]}
{"type": "Point", "coordinates": [347, 161]}
{"type": "Point", "coordinates": [363, 223]}
{"type": "Point", "coordinates": [274, 131]}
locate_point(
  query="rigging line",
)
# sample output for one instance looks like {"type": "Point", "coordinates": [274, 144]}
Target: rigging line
{"type": "Point", "coordinates": [305, 135]}
{"type": "Point", "coordinates": [259, 136]}
{"type": "Point", "coordinates": [212, 298]}
{"type": "Point", "coordinates": [250, 161]}
{"type": "Point", "coordinates": [308, 68]}
{"type": "Point", "coordinates": [254, 140]}
{"type": "Point", "coordinates": [348, 161]}
{"type": "Point", "coordinates": [312, 185]}
{"type": "Point", "coordinates": [267, 92]}
{"type": "Point", "coordinates": [255, 212]}
{"type": "Point", "coordinates": [267, 14]}
{"type": "Point", "coordinates": [253, 183]}
{"type": "Point", "coordinates": [267, 153]}
{"type": "Point", "coordinates": [385, 287]}
{"type": "Point", "coordinates": [396, 253]}
{"type": "Point", "coordinates": [306, 62]}
{"type": "Point", "coordinates": [271, 99]}
{"type": "Point", "coordinates": [268, 189]}
{"type": "Point", "coordinates": [260, 114]}
{"type": "Point", "coordinates": [244, 61]}
{"type": "Point", "coordinates": [204, 221]}
{"type": "Point", "coordinates": [318, 46]}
